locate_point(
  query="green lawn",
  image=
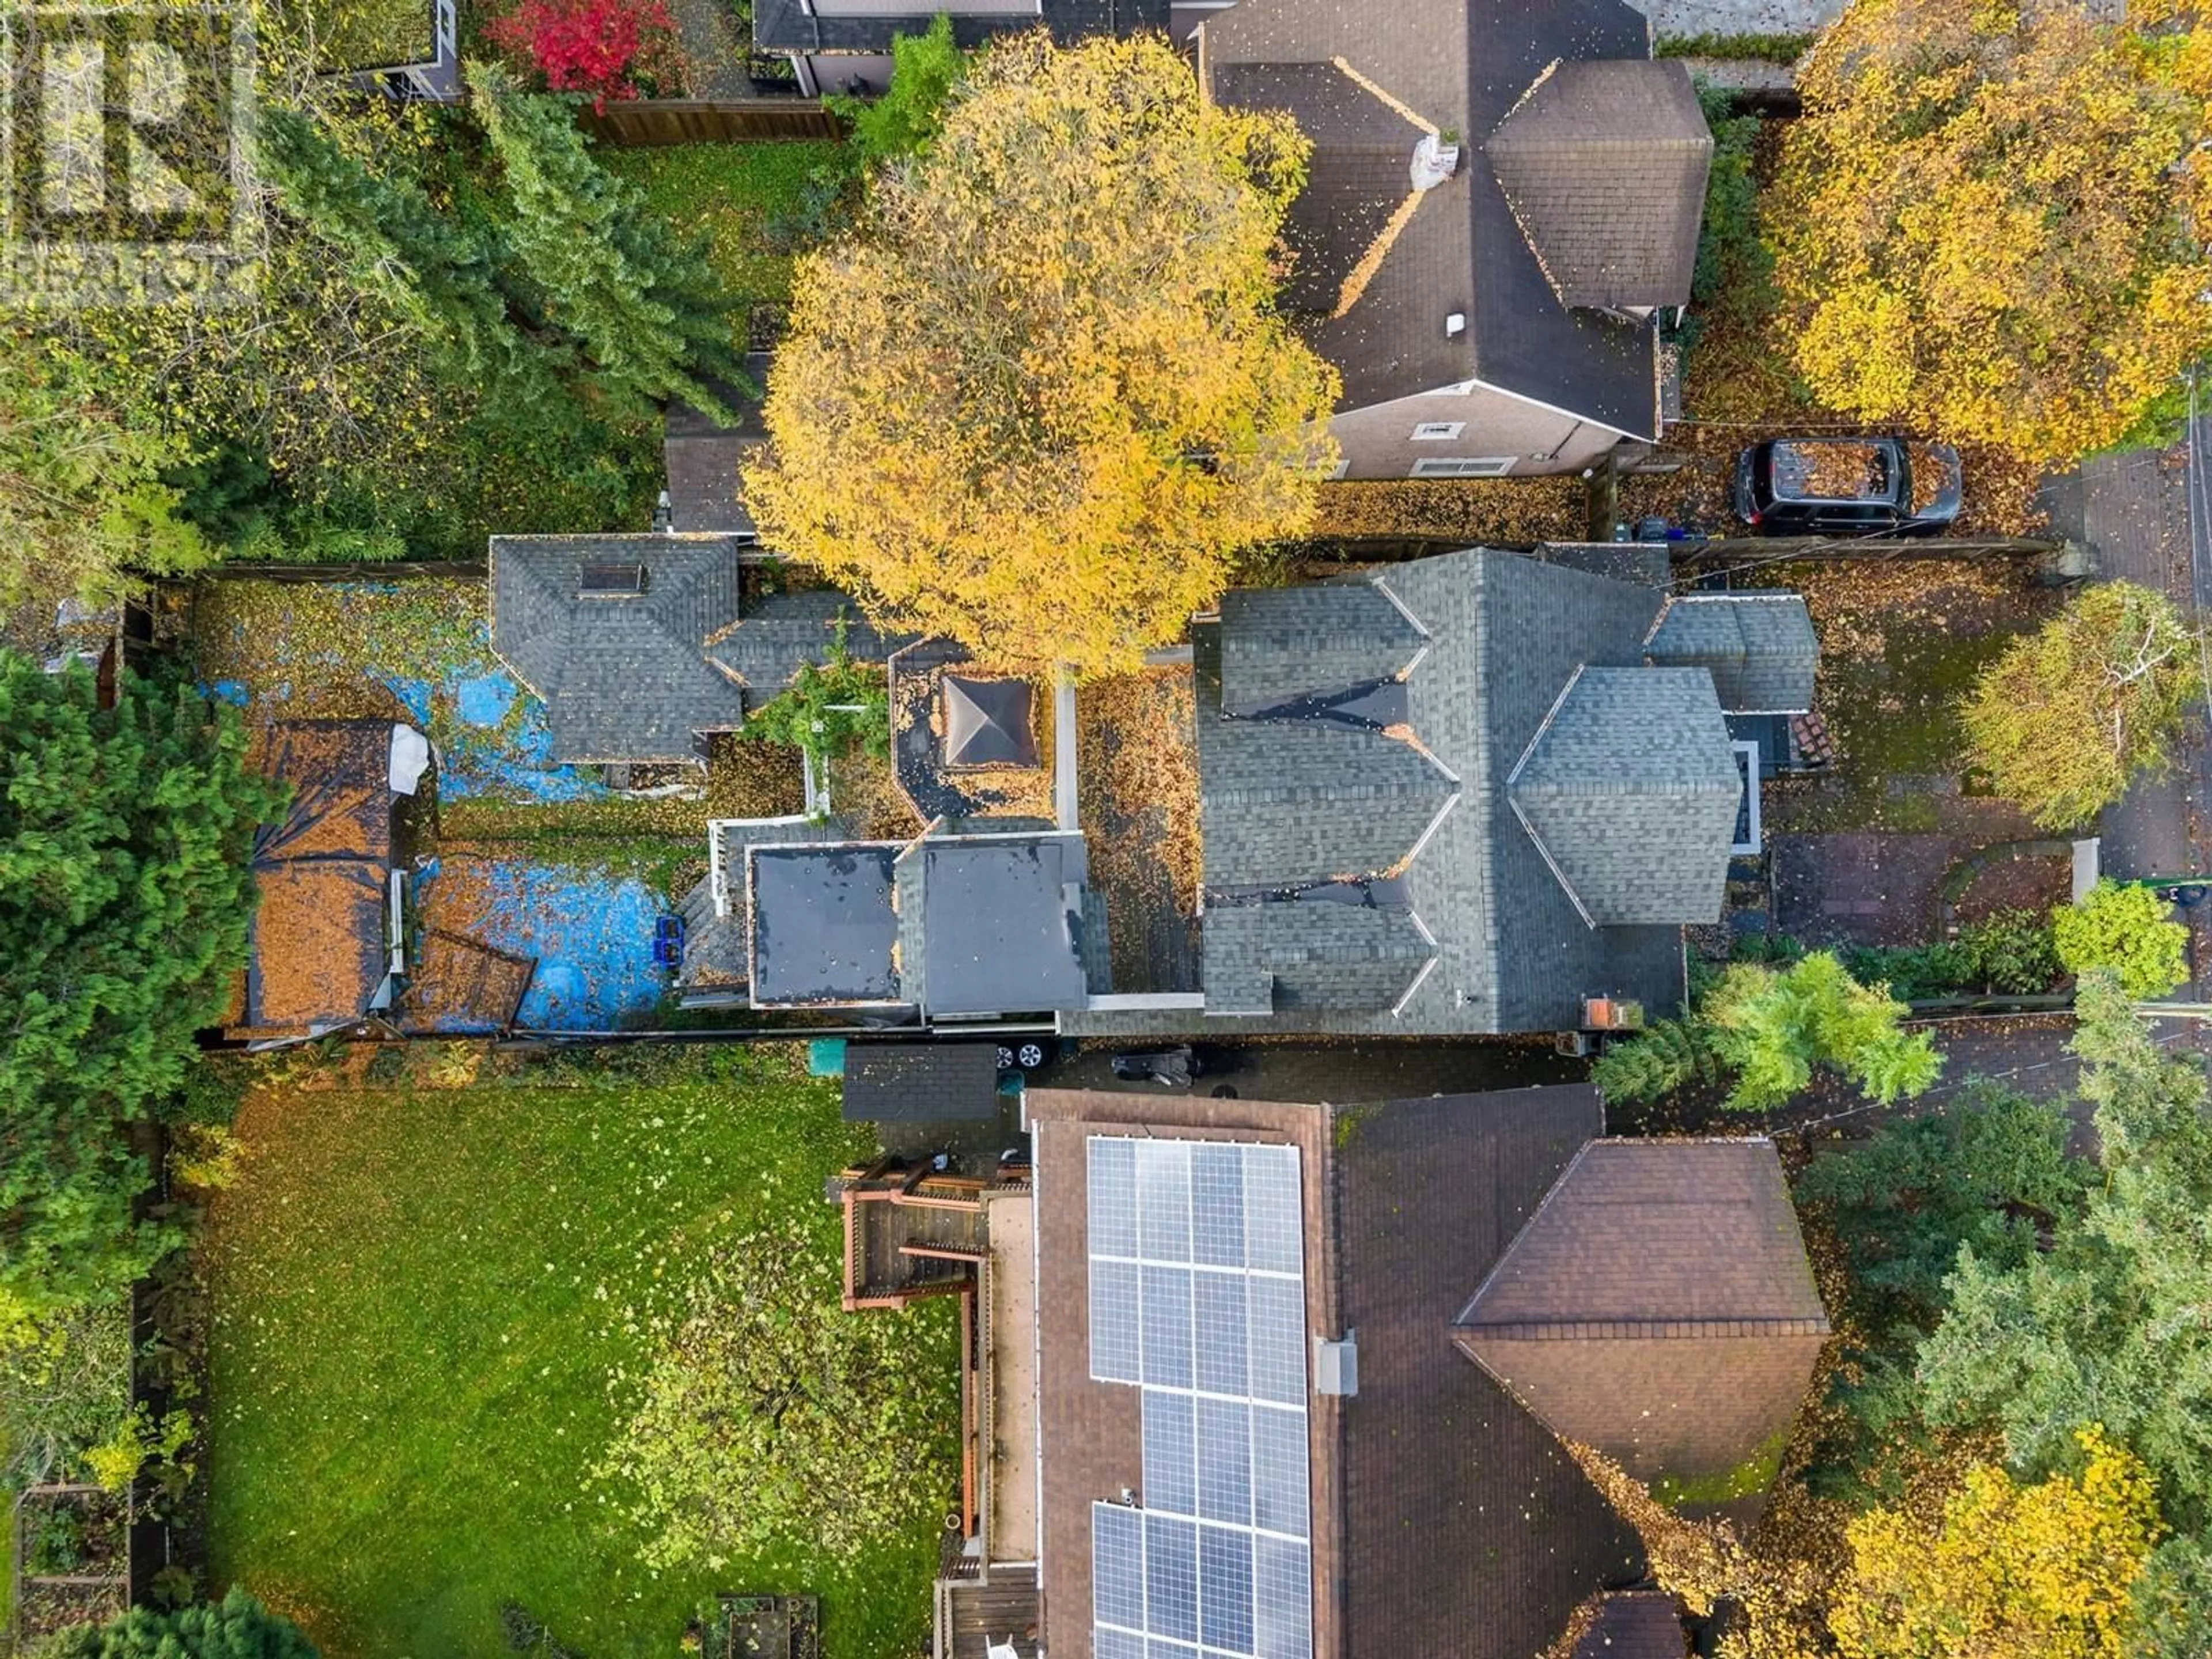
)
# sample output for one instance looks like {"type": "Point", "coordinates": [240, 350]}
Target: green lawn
{"type": "Point", "coordinates": [430, 1311]}
{"type": "Point", "coordinates": [740, 197]}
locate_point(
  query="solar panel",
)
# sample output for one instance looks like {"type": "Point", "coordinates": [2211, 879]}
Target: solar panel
{"type": "Point", "coordinates": [1197, 1297]}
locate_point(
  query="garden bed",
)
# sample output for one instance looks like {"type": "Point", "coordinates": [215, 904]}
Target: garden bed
{"type": "Point", "coordinates": [445, 1300]}
{"type": "Point", "coordinates": [72, 1558]}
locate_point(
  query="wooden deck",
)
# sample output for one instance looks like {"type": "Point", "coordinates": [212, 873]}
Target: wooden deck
{"type": "Point", "coordinates": [973, 1613]}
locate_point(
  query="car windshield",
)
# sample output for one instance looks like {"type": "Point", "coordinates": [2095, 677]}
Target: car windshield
{"type": "Point", "coordinates": [1935, 474]}
{"type": "Point", "coordinates": [1831, 471]}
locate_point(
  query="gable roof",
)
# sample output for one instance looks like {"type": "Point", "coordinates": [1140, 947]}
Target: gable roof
{"type": "Point", "coordinates": [1366, 82]}
{"type": "Point", "coordinates": [1760, 647]}
{"type": "Point", "coordinates": [637, 676]}
{"type": "Point", "coordinates": [1365, 865]}
{"type": "Point", "coordinates": [1631, 791]}
{"type": "Point", "coordinates": [1659, 1306]}
{"type": "Point", "coordinates": [1604, 164]}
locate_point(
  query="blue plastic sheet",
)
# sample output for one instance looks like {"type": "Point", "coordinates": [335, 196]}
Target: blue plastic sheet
{"type": "Point", "coordinates": [590, 933]}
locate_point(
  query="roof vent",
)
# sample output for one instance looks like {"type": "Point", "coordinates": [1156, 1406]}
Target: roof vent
{"type": "Point", "coordinates": [611, 581]}
{"type": "Point", "coordinates": [1436, 158]}
{"type": "Point", "coordinates": [1336, 1364]}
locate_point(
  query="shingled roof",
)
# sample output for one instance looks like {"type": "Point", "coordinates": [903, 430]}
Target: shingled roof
{"type": "Point", "coordinates": [1659, 1306]}
{"type": "Point", "coordinates": [1605, 165]}
{"type": "Point", "coordinates": [1631, 791]}
{"type": "Point", "coordinates": [1446, 1517]}
{"type": "Point", "coordinates": [1758, 646]}
{"type": "Point", "coordinates": [1366, 866]}
{"type": "Point", "coordinates": [1367, 82]}
{"type": "Point", "coordinates": [638, 644]}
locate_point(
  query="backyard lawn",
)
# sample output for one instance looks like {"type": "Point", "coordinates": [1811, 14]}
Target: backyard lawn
{"type": "Point", "coordinates": [749, 200]}
{"type": "Point", "coordinates": [431, 1308]}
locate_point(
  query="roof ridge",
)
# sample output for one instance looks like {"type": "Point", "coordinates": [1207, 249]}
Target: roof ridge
{"type": "Point", "coordinates": [1631, 1329]}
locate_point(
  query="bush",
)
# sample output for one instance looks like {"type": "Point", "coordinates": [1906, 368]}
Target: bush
{"type": "Point", "coordinates": [2012, 952]}
{"type": "Point", "coordinates": [604, 48]}
{"type": "Point", "coordinates": [925, 69]}
{"type": "Point", "coordinates": [2126, 929]}
{"type": "Point", "coordinates": [827, 709]}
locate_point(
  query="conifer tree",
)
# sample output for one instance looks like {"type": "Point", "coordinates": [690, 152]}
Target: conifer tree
{"type": "Point", "coordinates": [650, 317]}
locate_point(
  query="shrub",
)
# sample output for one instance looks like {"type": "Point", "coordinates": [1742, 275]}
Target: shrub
{"type": "Point", "coordinates": [605, 48]}
{"type": "Point", "coordinates": [827, 709]}
{"type": "Point", "coordinates": [2014, 950]}
{"type": "Point", "coordinates": [2073, 713]}
{"type": "Point", "coordinates": [2124, 928]}
{"type": "Point", "coordinates": [925, 69]}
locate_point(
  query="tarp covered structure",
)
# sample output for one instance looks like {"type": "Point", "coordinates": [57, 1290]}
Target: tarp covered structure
{"type": "Point", "coordinates": [319, 950]}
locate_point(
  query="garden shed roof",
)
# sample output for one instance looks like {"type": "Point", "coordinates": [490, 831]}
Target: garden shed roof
{"type": "Point", "coordinates": [986, 722]}
{"type": "Point", "coordinates": [1659, 1306]}
{"type": "Point", "coordinates": [1366, 82]}
{"type": "Point", "coordinates": [921, 1082]}
{"type": "Point", "coordinates": [317, 947]}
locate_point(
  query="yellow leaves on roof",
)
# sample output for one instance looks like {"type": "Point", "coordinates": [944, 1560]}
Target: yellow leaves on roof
{"type": "Point", "coordinates": [1044, 402]}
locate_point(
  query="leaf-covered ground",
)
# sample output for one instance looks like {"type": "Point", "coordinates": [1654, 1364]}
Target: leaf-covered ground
{"type": "Point", "coordinates": [744, 198]}
{"type": "Point", "coordinates": [431, 1308]}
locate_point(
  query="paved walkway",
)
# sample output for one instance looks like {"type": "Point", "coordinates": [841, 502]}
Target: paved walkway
{"type": "Point", "coordinates": [713, 50]}
{"type": "Point", "coordinates": [1681, 18]}
{"type": "Point", "coordinates": [2134, 512]}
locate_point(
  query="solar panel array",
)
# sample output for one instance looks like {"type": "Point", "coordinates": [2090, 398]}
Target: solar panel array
{"type": "Point", "coordinates": [1198, 1298]}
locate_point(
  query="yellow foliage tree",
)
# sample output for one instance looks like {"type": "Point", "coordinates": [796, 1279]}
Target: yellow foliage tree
{"type": "Point", "coordinates": [1991, 222]}
{"type": "Point", "coordinates": [2010, 1571]}
{"type": "Point", "coordinates": [1043, 400]}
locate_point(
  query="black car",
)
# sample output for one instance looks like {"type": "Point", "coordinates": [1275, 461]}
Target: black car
{"type": "Point", "coordinates": [1847, 486]}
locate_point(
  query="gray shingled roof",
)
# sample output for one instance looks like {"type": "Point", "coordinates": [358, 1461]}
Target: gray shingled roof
{"type": "Point", "coordinates": [1760, 647]}
{"type": "Point", "coordinates": [1467, 930]}
{"type": "Point", "coordinates": [1459, 65]}
{"type": "Point", "coordinates": [781, 632]}
{"type": "Point", "coordinates": [639, 677]}
{"type": "Point", "coordinates": [1279, 644]}
{"type": "Point", "coordinates": [1605, 166]}
{"type": "Point", "coordinates": [623, 679]}
{"type": "Point", "coordinates": [1630, 788]}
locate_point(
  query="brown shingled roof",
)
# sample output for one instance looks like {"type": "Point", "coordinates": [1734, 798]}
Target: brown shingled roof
{"type": "Point", "coordinates": [1634, 1625]}
{"type": "Point", "coordinates": [1659, 1306]}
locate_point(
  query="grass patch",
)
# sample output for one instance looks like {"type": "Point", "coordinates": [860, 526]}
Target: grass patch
{"type": "Point", "coordinates": [1736, 48]}
{"type": "Point", "coordinates": [431, 1311]}
{"type": "Point", "coordinates": [744, 198]}
{"type": "Point", "coordinates": [1901, 644]}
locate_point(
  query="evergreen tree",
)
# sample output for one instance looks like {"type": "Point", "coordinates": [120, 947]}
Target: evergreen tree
{"type": "Point", "coordinates": [237, 1628]}
{"type": "Point", "coordinates": [652, 318]}
{"type": "Point", "coordinates": [124, 898]}
{"type": "Point", "coordinates": [434, 269]}
{"type": "Point", "coordinates": [2109, 1324]}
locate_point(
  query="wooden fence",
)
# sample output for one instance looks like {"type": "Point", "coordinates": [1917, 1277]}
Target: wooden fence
{"type": "Point", "coordinates": [655, 121]}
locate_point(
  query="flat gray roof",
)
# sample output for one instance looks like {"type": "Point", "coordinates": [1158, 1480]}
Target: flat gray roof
{"type": "Point", "coordinates": [824, 928]}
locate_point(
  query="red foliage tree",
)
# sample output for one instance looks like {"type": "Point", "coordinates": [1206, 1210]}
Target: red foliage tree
{"type": "Point", "coordinates": [603, 47]}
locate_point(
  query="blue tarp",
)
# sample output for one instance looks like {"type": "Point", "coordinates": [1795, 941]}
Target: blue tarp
{"type": "Point", "coordinates": [590, 933]}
